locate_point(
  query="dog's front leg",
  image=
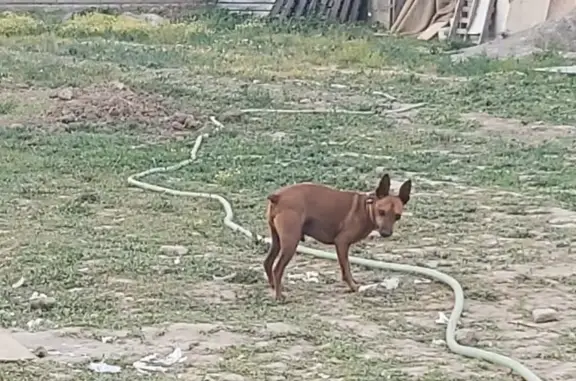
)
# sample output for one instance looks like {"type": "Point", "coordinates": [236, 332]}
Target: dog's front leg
{"type": "Point", "coordinates": [342, 252]}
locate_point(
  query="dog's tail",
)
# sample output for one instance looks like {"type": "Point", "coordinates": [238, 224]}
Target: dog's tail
{"type": "Point", "coordinates": [273, 198]}
{"type": "Point", "coordinates": [272, 201]}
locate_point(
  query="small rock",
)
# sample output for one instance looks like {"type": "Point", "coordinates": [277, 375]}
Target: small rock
{"type": "Point", "coordinates": [305, 101]}
{"type": "Point", "coordinates": [231, 116]}
{"type": "Point", "coordinates": [118, 85]}
{"type": "Point", "coordinates": [150, 18]}
{"type": "Point", "coordinates": [544, 315]}
{"type": "Point", "coordinates": [276, 365]}
{"type": "Point", "coordinates": [40, 324]}
{"type": "Point", "coordinates": [43, 303]}
{"type": "Point", "coordinates": [65, 94]}
{"type": "Point", "coordinates": [40, 352]}
{"type": "Point", "coordinates": [278, 136]}
{"type": "Point", "coordinates": [180, 117]}
{"type": "Point", "coordinates": [466, 337]}
{"type": "Point", "coordinates": [174, 250]}
{"type": "Point", "coordinates": [190, 122]}
{"type": "Point", "coordinates": [68, 118]}
{"type": "Point", "coordinates": [154, 19]}
{"type": "Point", "coordinates": [114, 111]}
{"type": "Point", "coordinates": [230, 377]}
{"type": "Point", "coordinates": [439, 342]}
{"type": "Point", "coordinates": [175, 125]}
{"type": "Point", "coordinates": [280, 328]}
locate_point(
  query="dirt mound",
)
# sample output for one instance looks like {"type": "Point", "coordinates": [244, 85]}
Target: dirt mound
{"type": "Point", "coordinates": [558, 34]}
{"type": "Point", "coordinates": [114, 103]}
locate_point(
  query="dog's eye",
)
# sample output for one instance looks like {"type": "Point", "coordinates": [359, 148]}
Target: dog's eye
{"type": "Point", "coordinates": [382, 213]}
{"type": "Point", "coordinates": [398, 216]}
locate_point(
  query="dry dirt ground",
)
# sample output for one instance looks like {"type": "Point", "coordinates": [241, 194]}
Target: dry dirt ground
{"type": "Point", "coordinates": [511, 251]}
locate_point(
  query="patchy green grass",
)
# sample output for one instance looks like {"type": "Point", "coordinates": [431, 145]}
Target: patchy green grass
{"type": "Point", "coordinates": [491, 207]}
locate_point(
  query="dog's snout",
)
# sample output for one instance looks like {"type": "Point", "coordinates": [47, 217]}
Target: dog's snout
{"type": "Point", "coordinates": [385, 233]}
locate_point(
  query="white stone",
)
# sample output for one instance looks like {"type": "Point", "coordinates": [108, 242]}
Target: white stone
{"type": "Point", "coordinates": [544, 315]}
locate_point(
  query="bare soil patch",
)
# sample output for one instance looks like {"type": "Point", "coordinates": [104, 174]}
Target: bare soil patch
{"type": "Point", "coordinates": [105, 104]}
{"type": "Point", "coordinates": [518, 130]}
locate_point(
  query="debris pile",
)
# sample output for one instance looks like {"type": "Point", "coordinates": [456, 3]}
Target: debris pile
{"type": "Point", "coordinates": [115, 103]}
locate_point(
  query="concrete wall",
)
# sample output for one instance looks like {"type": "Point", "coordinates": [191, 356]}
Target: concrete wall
{"type": "Point", "coordinates": [255, 7]}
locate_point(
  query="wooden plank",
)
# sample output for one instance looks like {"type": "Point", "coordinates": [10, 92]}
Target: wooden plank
{"type": "Point", "coordinates": [456, 18]}
{"type": "Point", "coordinates": [391, 12]}
{"type": "Point", "coordinates": [312, 8]}
{"type": "Point", "coordinates": [432, 30]}
{"type": "Point", "coordinates": [329, 5]}
{"type": "Point", "coordinates": [489, 22]}
{"type": "Point", "coordinates": [336, 5]}
{"type": "Point", "coordinates": [323, 8]}
{"type": "Point", "coordinates": [277, 8]}
{"type": "Point", "coordinates": [287, 9]}
{"type": "Point", "coordinates": [480, 18]}
{"type": "Point", "coordinates": [397, 8]}
{"type": "Point", "coordinates": [301, 8]}
{"type": "Point", "coordinates": [502, 8]}
{"type": "Point", "coordinates": [343, 16]}
{"type": "Point", "coordinates": [355, 11]}
{"type": "Point", "coordinates": [472, 12]}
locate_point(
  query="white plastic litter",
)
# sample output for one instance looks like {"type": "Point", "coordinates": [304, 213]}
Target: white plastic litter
{"type": "Point", "coordinates": [36, 295]}
{"type": "Point", "coordinates": [388, 283]}
{"type": "Point", "coordinates": [102, 367]}
{"type": "Point", "coordinates": [442, 318]}
{"type": "Point", "coordinates": [308, 276]}
{"type": "Point", "coordinates": [153, 362]}
{"type": "Point", "coordinates": [19, 283]}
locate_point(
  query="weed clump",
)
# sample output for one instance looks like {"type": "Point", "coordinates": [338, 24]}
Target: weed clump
{"type": "Point", "coordinates": [126, 27]}
{"type": "Point", "coordinates": [12, 24]}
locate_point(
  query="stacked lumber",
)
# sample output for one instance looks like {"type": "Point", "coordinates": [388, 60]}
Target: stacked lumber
{"type": "Point", "coordinates": [335, 10]}
{"type": "Point", "coordinates": [473, 20]}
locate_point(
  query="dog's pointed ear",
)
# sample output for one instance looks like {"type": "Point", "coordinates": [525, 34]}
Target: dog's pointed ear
{"type": "Point", "coordinates": [384, 187]}
{"type": "Point", "coordinates": [404, 193]}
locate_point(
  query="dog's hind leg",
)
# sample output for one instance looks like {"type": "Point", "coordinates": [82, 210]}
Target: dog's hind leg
{"type": "Point", "coordinates": [289, 229]}
{"type": "Point", "coordinates": [272, 254]}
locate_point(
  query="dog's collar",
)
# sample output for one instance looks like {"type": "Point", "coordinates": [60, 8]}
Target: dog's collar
{"type": "Point", "coordinates": [370, 210]}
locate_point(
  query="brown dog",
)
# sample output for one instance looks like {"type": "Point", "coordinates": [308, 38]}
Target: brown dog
{"type": "Point", "coordinates": [330, 216]}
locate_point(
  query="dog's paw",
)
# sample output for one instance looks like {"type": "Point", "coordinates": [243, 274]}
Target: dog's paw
{"type": "Point", "coordinates": [353, 287]}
